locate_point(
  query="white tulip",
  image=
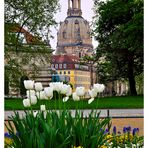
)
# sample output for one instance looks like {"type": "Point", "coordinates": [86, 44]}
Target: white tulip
{"type": "Point", "coordinates": [48, 92]}
{"type": "Point", "coordinates": [99, 87]}
{"type": "Point", "coordinates": [38, 86]}
{"type": "Point", "coordinates": [69, 91]}
{"type": "Point", "coordinates": [42, 108]}
{"type": "Point", "coordinates": [65, 99]}
{"type": "Point", "coordinates": [133, 145]}
{"type": "Point", "coordinates": [92, 93]}
{"type": "Point", "coordinates": [64, 89]}
{"type": "Point", "coordinates": [30, 93]}
{"type": "Point", "coordinates": [33, 100]}
{"type": "Point", "coordinates": [90, 100]}
{"type": "Point", "coordinates": [57, 86]}
{"type": "Point", "coordinates": [75, 97]}
{"type": "Point", "coordinates": [26, 103]}
{"type": "Point", "coordinates": [35, 113]}
{"type": "Point", "coordinates": [41, 95]}
{"type": "Point", "coordinates": [80, 91]}
{"type": "Point", "coordinates": [29, 84]}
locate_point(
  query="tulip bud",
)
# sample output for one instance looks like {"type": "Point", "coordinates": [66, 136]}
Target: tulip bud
{"type": "Point", "coordinates": [49, 92]}
{"type": "Point", "coordinates": [64, 89]}
{"type": "Point", "coordinates": [56, 86]}
{"type": "Point", "coordinates": [38, 86]}
{"type": "Point", "coordinates": [75, 97]}
{"type": "Point", "coordinates": [30, 93]}
{"type": "Point", "coordinates": [92, 93]}
{"type": "Point", "coordinates": [80, 91]}
{"type": "Point", "coordinates": [29, 84]}
{"type": "Point", "coordinates": [90, 100]}
{"type": "Point", "coordinates": [41, 95]}
{"type": "Point", "coordinates": [65, 99]}
{"type": "Point", "coordinates": [99, 87]}
{"type": "Point", "coordinates": [42, 108]}
{"type": "Point", "coordinates": [35, 113]}
{"type": "Point", "coordinates": [26, 103]}
{"type": "Point", "coordinates": [33, 100]}
{"type": "Point", "coordinates": [69, 91]}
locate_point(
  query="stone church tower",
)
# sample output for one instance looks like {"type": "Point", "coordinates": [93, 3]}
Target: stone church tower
{"type": "Point", "coordinates": [74, 33]}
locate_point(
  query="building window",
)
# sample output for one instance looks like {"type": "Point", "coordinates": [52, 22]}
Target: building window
{"type": "Point", "coordinates": [52, 65]}
{"type": "Point", "coordinates": [64, 72]}
{"type": "Point", "coordinates": [60, 72]}
{"type": "Point", "coordinates": [60, 66]}
{"type": "Point", "coordinates": [76, 22]}
{"type": "Point", "coordinates": [56, 66]}
{"type": "Point", "coordinates": [64, 34]}
{"type": "Point", "coordinates": [68, 72]}
{"type": "Point", "coordinates": [64, 66]}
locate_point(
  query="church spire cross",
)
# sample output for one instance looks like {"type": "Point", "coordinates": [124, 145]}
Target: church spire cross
{"type": "Point", "coordinates": [74, 8]}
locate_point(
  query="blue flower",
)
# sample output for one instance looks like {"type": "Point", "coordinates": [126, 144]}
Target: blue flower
{"type": "Point", "coordinates": [124, 130]}
{"type": "Point", "coordinates": [115, 130]}
{"type": "Point", "coordinates": [7, 135]}
{"type": "Point", "coordinates": [135, 130]}
{"type": "Point", "coordinates": [106, 131]}
{"type": "Point", "coordinates": [128, 129]}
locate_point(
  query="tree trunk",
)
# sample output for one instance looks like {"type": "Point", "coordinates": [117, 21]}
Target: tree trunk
{"type": "Point", "coordinates": [131, 77]}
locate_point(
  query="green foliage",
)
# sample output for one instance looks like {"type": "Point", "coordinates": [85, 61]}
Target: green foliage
{"type": "Point", "coordinates": [119, 31]}
{"type": "Point", "coordinates": [140, 83]}
{"type": "Point", "coordinates": [36, 15]}
{"type": "Point", "coordinates": [57, 130]}
{"type": "Point", "coordinates": [31, 49]}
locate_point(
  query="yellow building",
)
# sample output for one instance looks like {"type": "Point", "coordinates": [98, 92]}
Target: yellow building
{"type": "Point", "coordinates": [69, 65]}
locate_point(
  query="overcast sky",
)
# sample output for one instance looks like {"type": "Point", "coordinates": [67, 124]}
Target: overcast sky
{"type": "Point", "coordinates": [87, 13]}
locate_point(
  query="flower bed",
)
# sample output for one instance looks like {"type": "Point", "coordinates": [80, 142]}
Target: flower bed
{"type": "Point", "coordinates": [53, 129]}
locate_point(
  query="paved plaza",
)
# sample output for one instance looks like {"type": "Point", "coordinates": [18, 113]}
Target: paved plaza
{"type": "Point", "coordinates": [112, 113]}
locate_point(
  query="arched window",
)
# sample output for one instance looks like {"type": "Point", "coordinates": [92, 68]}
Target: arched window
{"type": "Point", "coordinates": [64, 66]}
{"type": "Point", "coordinates": [64, 34]}
{"type": "Point", "coordinates": [60, 66]}
{"type": "Point", "coordinates": [56, 66]}
{"type": "Point", "coordinates": [76, 22]}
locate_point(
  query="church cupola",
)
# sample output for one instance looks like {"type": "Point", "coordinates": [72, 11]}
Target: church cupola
{"type": "Point", "coordinates": [74, 37]}
{"type": "Point", "coordinates": [74, 8]}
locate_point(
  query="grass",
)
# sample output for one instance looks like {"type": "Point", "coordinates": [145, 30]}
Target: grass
{"type": "Point", "coordinates": [117, 102]}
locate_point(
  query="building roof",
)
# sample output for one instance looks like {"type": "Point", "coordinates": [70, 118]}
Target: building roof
{"type": "Point", "coordinates": [65, 59]}
{"type": "Point", "coordinates": [30, 39]}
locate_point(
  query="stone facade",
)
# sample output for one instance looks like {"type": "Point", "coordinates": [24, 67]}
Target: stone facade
{"type": "Point", "coordinates": [74, 35]}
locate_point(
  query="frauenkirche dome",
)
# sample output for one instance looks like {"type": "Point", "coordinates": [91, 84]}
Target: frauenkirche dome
{"type": "Point", "coordinates": [74, 33]}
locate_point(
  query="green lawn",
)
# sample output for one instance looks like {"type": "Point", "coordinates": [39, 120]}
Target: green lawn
{"type": "Point", "coordinates": [101, 103]}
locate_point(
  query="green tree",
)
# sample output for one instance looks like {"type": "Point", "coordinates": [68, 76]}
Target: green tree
{"type": "Point", "coordinates": [35, 16]}
{"type": "Point", "coordinates": [119, 31]}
